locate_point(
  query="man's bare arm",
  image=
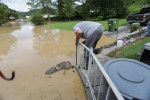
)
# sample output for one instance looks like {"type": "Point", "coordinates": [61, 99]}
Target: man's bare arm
{"type": "Point", "coordinates": [78, 36]}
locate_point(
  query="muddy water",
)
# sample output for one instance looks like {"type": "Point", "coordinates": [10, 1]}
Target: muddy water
{"type": "Point", "coordinates": [30, 51]}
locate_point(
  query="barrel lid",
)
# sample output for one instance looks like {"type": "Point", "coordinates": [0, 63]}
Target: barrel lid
{"type": "Point", "coordinates": [131, 77]}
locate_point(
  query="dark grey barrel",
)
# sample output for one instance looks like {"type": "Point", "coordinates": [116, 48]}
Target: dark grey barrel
{"type": "Point", "coordinates": [131, 77]}
{"type": "Point", "coordinates": [145, 54]}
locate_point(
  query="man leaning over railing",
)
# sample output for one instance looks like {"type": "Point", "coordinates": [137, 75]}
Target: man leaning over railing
{"type": "Point", "coordinates": [91, 32]}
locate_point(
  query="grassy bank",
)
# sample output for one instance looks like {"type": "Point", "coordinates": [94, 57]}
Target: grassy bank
{"type": "Point", "coordinates": [69, 25]}
{"type": "Point", "coordinates": [131, 50]}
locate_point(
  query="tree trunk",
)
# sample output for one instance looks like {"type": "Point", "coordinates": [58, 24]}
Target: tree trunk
{"type": "Point", "coordinates": [48, 17]}
{"type": "Point", "coordinates": [49, 14]}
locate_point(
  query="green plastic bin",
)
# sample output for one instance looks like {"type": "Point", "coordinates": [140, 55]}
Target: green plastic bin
{"type": "Point", "coordinates": [112, 25]}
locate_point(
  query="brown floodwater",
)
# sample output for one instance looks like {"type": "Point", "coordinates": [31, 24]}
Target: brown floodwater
{"type": "Point", "coordinates": [30, 51]}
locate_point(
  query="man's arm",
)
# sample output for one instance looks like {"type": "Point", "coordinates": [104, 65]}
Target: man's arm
{"type": "Point", "coordinates": [78, 36]}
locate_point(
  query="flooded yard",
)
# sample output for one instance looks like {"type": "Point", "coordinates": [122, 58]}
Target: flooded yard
{"type": "Point", "coordinates": [30, 51]}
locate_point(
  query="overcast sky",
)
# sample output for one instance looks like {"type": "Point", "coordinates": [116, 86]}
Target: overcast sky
{"type": "Point", "coordinates": [18, 5]}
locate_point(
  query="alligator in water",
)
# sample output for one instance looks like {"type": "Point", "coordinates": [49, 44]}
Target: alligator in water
{"type": "Point", "coordinates": [63, 65]}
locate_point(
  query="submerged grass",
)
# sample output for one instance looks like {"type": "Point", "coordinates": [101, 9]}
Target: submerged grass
{"type": "Point", "coordinates": [131, 50]}
{"type": "Point", "coordinates": [69, 25]}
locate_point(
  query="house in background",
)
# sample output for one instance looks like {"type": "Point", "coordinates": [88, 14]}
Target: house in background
{"type": "Point", "coordinates": [46, 16]}
{"type": "Point", "coordinates": [11, 18]}
{"type": "Point", "coordinates": [27, 17]}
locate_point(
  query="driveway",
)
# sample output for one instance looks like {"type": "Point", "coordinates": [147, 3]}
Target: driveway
{"type": "Point", "coordinates": [123, 31]}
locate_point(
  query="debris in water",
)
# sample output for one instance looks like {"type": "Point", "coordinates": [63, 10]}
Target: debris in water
{"type": "Point", "coordinates": [63, 65]}
{"type": "Point", "coordinates": [74, 71]}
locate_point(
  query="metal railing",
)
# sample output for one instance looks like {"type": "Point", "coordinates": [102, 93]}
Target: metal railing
{"type": "Point", "coordinates": [100, 85]}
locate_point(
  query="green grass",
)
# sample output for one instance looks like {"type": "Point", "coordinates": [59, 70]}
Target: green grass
{"type": "Point", "coordinates": [64, 25]}
{"type": "Point", "coordinates": [69, 25]}
{"type": "Point", "coordinates": [130, 51]}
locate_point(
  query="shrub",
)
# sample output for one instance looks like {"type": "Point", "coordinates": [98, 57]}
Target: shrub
{"type": "Point", "coordinates": [134, 27]}
{"type": "Point", "coordinates": [3, 13]}
{"type": "Point", "coordinates": [100, 17]}
{"type": "Point", "coordinates": [37, 19]}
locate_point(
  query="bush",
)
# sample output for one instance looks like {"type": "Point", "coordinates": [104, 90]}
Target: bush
{"type": "Point", "coordinates": [3, 14]}
{"type": "Point", "coordinates": [100, 17]}
{"type": "Point", "coordinates": [37, 19]}
{"type": "Point", "coordinates": [134, 27]}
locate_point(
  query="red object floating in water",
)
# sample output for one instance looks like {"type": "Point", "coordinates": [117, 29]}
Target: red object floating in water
{"type": "Point", "coordinates": [5, 78]}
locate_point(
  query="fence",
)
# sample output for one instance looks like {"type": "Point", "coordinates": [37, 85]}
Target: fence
{"type": "Point", "coordinates": [97, 80]}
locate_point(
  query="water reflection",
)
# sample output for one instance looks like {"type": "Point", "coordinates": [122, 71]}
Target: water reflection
{"type": "Point", "coordinates": [26, 58]}
{"type": "Point", "coordinates": [25, 31]}
{"type": "Point", "coordinates": [53, 42]}
{"type": "Point", "coordinates": [11, 24]}
{"type": "Point", "coordinates": [6, 39]}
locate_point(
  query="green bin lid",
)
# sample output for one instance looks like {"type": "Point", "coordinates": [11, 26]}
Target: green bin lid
{"type": "Point", "coordinates": [113, 19]}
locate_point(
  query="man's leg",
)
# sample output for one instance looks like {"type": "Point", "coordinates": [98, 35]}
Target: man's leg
{"type": "Point", "coordinates": [92, 40]}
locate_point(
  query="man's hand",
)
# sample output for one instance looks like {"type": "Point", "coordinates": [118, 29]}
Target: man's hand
{"type": "Point", "coordinates": [83, 42]}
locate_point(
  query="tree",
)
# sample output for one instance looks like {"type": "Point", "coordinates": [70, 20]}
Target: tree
{"type": "Point", "coordinates": [46, 5]}
{"type": "Point", "coordinates": [44, 10]}
{"type": "Point", "coordinates": [147, 1]}
{"type": "Point", "coordinates": [33, 3]}
{"type": "Point", "coordinates": [95, 7]}
{"type": "Point", "coordinates": [3, 13]}
{"type": "Point", "coordinates": [68, 9]}
{"type": "Point", "coordinates": [14, 13]}
{"type": "Point", "coordinates": [65, 9]}
{"type": "Point", "coordinates": [37, 19]}
{"type": "Point", "coordinates": [121, 8]}
{"type": "Point", "coordinates": [60, 8]}
{"type": "Point", "coordinates": [112, 8]}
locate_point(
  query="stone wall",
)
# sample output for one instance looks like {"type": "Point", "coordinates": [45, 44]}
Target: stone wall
{"type": "Point", "coordinates": [104, 50]}
{"type": "Point", "coordinates": [128, 39]}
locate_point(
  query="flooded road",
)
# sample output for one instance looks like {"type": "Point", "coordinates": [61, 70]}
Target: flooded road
{"type": "Point", "coordinates": [30, 51]}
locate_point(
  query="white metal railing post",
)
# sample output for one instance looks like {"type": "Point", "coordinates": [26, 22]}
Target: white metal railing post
{"type": "Point", "coordinates": [90, 62]}
{"type": "Point", "coordinates": [78, 54]}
